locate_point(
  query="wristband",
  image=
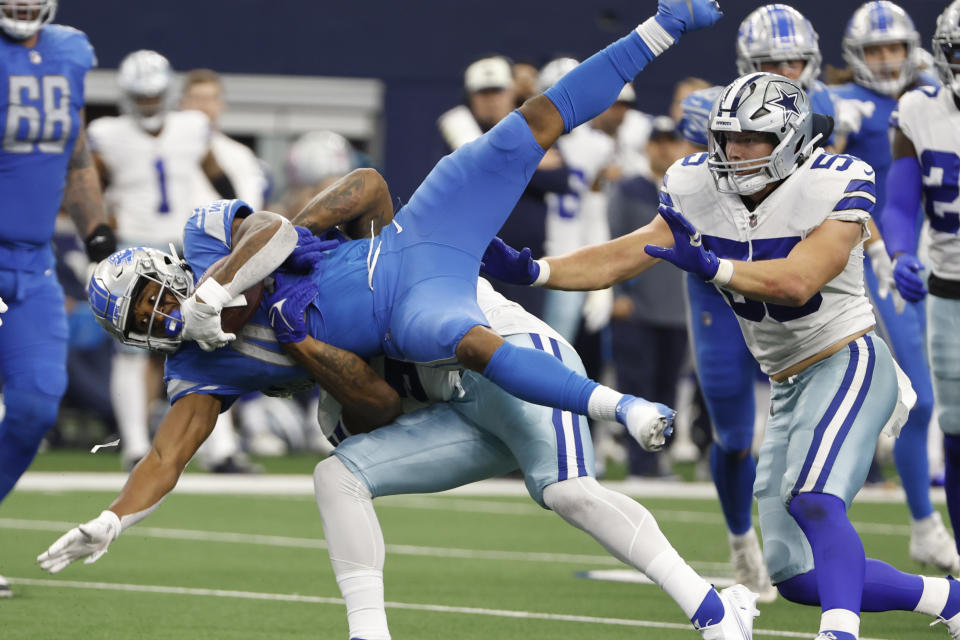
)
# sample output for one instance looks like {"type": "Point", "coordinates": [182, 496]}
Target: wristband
{"type": "Point", "coordinates": [724, 273]}
{"type": "Point", "coordinates": [213, 294]}
{"type": "Point", "coordinates": [654, 36]}
{"type": "Point", "coordinates": [544, 274]}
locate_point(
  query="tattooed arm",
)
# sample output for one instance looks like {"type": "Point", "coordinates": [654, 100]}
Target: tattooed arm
{"type": "Point", "coordinates": [368, 401]}
{"type": "Point", "coordinates": [353, 202]}
{"type": "Point", "coordinates": [82, 198]}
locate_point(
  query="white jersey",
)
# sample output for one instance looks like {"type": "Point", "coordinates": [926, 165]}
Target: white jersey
{"type": "Point", "coordinates": [825, 187]}
{"type": "Point", "coordinates": [579, 218]}
{"type": "Point", "coordinates": [929, 117]}
{"type": "Point", "coordinates": [155, 181]}
{"type": "Point", "coordinates": [242, 168]}
{"type": "Point", "coordinates": [423, 385]}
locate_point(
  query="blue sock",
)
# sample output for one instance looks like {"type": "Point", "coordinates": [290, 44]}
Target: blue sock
{"type": "Point", "coordinates": [710, 611]}
{"type": "Point", "coordinates": [951, 481]}
{"type": "Point", "coordinates": [733, 474]}
{"type": "Point", "coordinates": [884, 588]}
{"type": "Point", "coordinates": [910, 455]}
{"type": "Point", "coordinates": [540, 378]}
{"type": "Point", "coordinates": [591, 87]}
{"type": "Point", "coordinates": [837, 551]}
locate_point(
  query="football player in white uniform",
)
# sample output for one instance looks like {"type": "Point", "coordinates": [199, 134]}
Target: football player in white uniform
{"type": "Point", "coordinates": [926, 165]}
{"type": "Point", "coordinates": [475, 430]}
{"type": "Point", "coordinates": [782, 227]}
{"type": "Point", "coordinates": [157, 166]}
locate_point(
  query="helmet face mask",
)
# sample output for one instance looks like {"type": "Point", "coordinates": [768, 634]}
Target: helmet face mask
{"type": "Point", "coordinates": [764, 103]}
{"type": "Point", "coordinates": [117, 283]}
{"type": "Point", "coordinates": [22, 19]}
{"type": "Point", "coordinates": [777, 33]}
{"type": "Point", "coordinates": [879, 23]}
{"type": "Point", "coordinates": [946, 47]}
{"type": "Point", "coordinates": [145, 79]}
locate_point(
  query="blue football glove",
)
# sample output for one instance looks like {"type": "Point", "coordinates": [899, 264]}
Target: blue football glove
{"type": "Point", "coordinates": [679, 16]}
{"type": "Point", "coordinates": [308, 252]}
{"type": "Point", "coordinates": [906, 274]}
{"type": "Point", "coordinates": [287, 306]}
{"type": "Point", "coordinates": [505, 263]}
{"type": "Point", "coordinates": [688, 251]}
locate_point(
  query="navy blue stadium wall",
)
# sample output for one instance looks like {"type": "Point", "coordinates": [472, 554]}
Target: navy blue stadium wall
{"type": "Point", "coordinates": [419, 48]}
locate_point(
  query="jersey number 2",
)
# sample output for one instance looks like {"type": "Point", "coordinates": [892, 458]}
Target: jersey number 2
{"type": "Point", "coordinates": [24, 120]}
{"type": "Point", "coordinates": [941, 186]}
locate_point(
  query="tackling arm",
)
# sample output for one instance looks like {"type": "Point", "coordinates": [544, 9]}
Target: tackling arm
{"type": "Point", "coordinates": [792, 281]}
{"type": "Point", "coordinates": [185, 427]}
{"type": "Point", "coordinates": [354, 202]}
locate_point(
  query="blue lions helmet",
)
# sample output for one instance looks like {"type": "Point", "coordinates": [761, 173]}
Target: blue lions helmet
{"type": "Point", "coordinates": [118, 280]}
{"type": "Point", "coordinates": [875, 23]}
{"type": "Point", "coordinates": [777, 33]}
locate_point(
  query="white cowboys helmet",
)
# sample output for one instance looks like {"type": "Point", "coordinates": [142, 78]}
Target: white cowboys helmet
{"type": "Point", "coordinates": [946, 47]}
{"type": "Point", "coordinates": [767, 103]}
{"type": "Point", "coordinates": [145, 79]}
{"type": "Point", "coordinates": [21, 19]}
{"type": "Point", "coordinates": [874, 23]}
{"type": "Point", "coordinates": [318, 155]}
{"type": "Point", "coordinates": [778, 33]}
{"type": "Point", "coordinates": [118, 280]}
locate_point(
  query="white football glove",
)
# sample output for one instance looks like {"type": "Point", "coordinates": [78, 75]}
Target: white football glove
{"type": "Point", "coordinates": [88, 541]}
{"type": "Point", "coordinates": [883, 268]}
{"type": "Point", "coordinates": [3, 308]}
{"type": "Point", "coordinates": [201, 320]}
{"type": "Point", "coordinates": [850, 115]}
{"type": "Point", "coordinates": [597, 307]}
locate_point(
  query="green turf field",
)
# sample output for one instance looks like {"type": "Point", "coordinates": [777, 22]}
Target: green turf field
{"type": "Point", "coordinates": [234, 567]}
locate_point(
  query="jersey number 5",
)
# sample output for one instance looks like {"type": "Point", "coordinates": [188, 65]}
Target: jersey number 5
{"type": "Point", "coordinates": [24, 132]}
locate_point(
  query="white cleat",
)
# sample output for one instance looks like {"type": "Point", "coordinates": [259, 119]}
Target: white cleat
{"type": "Point", "coordinates": [749, 569]}
{"type": "Point", "coordinates": [739, 610]}
{"type": "Point", "coordinates": [649, 423]}
{"type": "Point", "coordinates": [931, 544]}
{"type": "Point", "coordinates": [5, 591]}
{"type": "Point", "coordinates": [953, 625]}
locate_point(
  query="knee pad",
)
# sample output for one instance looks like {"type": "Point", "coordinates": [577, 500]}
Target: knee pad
{"type": "Point", "coordinates": [29, 414]}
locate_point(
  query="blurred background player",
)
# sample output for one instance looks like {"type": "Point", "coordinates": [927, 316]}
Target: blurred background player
{"type": "Point", "coordinates": [203, 92]}
{"type": "Point", "coordinates": [490, 97]}
{"type": "Point", "coordinates": [157, 165]}
{"type": "Point", "coordinates": [880, 44]}
{"type": "Point", "coordinates": [44, 161]}
{"type": "Point", "coordinates": [926, 154]}
{"type": "Point", "coordinates": [648, 318]}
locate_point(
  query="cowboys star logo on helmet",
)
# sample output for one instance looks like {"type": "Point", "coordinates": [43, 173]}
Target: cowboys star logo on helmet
{"type": "Point", "coordinates": [785, 101]}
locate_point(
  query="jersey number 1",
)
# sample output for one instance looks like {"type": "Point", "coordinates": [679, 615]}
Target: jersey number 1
{"type": "Point", "coordinates": [23, 130]}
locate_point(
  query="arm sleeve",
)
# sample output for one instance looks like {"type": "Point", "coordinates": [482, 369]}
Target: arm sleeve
{"type": "Point", "coordinates": [899, 216]}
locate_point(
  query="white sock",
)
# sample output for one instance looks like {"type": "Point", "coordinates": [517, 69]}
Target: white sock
{"type": "Point", "coordinates": [840, 620]}
{"type": "Point", "coordinates": [355, 543]}
{"type": "Point", "coordinates": [936, 591]}
{"type": "Point", "coordinates": [630, 533]}
{"type": "Point", "coordinates": [128, 393]}
{"type": "Point", "coordinates": [602, 404]}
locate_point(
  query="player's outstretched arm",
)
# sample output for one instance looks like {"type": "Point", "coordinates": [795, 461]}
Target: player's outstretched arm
{"type": "Point", "coordinates": [183, 430]}
{"type": "Point", "coordinates": [353, 202]}
{"type": "Point", "coordinates": [83, 201]}
{"type": "Point", "coordinates": [594, 267]}
{"type": "Point", "coordinates": [368, 401]}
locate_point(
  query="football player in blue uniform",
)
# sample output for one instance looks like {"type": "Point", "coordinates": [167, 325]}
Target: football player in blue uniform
{"type": "Point", "coordinates": [926, 157]}
{"type": "Point", "coordinates": [44, 164]}
{"type": "Point", "coordinates": [880, 44]}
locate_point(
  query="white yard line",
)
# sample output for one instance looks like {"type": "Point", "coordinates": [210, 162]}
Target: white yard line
{"type": "Point", "coordinates": [302, 484]}
{"type": "Point", "coordinates": [435, 608]}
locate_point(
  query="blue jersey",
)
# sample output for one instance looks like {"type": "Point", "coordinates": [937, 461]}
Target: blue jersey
{"type": "Point", "coordinates": [252, 362]}
{"type": "Point", "coordinates": [872, 143]}
{"type": "Point", "coordinates": [40, 103]}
